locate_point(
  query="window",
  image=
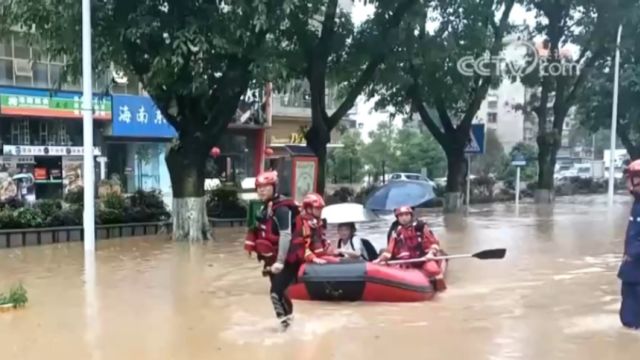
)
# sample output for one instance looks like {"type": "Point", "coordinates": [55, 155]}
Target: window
{"type": "Point", "coordinates": [23, 80]}
{"type": "Point", "coordinates": [395, 177]}
{"type": "Point", "coordinates": [41, 75]}
{"type": "Point", "coordinates": [5, 48]}
{"type": "Point", "coordinates": [6, 72]}
{"type": "Point", "coordinates": [493, 104]}
{"type": "Point", "coordinates": [492, 118]}
{"type": "Point", "coordinates": [21, 48]}
{"type": "Point", "coordinates": [55, 71]}
{"type": "Point", "coordinates": [25, 65]}
{"type": "Point", "coordinates": [413, 177]}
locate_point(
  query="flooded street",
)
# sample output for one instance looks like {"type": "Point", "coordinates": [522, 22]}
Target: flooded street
{"type": "Point", "coordinates": [555, 296]}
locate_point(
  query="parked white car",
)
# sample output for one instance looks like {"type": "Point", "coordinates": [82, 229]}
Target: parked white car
{"type": "Point", "coordinates": [410, 176]}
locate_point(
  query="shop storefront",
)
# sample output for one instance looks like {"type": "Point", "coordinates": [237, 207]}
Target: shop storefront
{"type": "Point", "coordinates": [41, 140]}
{"type": "Point", "coordinates": [137, 145]}
{"type": "Point", "coordinates": [140, 139]}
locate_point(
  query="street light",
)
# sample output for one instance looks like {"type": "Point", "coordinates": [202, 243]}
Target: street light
{"type": "Point", "coordinates": [614, 117]}
{"type": "Point", "coordinates": [87, 132]}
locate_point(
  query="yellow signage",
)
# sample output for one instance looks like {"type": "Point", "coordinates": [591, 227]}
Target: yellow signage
{"type": "Point", "coordinates": [294, 138]}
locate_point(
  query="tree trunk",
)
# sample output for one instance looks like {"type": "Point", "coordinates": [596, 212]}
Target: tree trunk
{"type": "Point", "coordinates": [548, 146]}
{"type": "Point", "coordinates": [186, 164]}
{"type": "Point", "coordinates": [455, 181]}
{"type": "Point", "coordinates": [632, 149]}
{"type": "Point", "coordinates": [322, 167]}
{"type": "Point", "coordinates": [318, 137]}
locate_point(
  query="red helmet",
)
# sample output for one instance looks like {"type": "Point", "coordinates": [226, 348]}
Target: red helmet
{"type": "Point", "coordinates": [267, 178]}
{"type": "Point", "coordinates": [633, 176]}
{"type": "Point", "coordinates": [313, 200]}
{"type": "Point", "coordinates": [403, 210]}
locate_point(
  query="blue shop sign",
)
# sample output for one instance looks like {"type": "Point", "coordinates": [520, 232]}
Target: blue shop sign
{"type": "Point", "coordinates": [138, 116]}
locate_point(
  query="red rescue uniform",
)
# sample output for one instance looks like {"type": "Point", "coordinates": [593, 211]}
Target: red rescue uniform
{"type": "Point", "coordinates": [312, 232]}
{"type": "Point", "coordinates": [413, 241]}
{"type": "Point", "coordinates": [264, 238]}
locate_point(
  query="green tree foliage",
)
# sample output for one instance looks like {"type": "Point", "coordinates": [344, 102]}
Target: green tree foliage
{"type": "Point", "coordinates": [589, 24]}
{"type": "Point", "coordinates": [328, 49]}
{"type": "Point", "coordinates": [416, 150]}
{"type": "Point", "coordinates": [528, 172]}
{"type": "Point", "coordinates": [379, 152]}
{"type": "Point", "coordinates": [423, 75]}
{"type": "Point", "coordinates": [196, 59]}
{"type": "Point", "coordinates": [403, 150]}
{"type": "Point", "coordinates": [346, 164]}
{"type": "Point", "coordinates": [595, 103]}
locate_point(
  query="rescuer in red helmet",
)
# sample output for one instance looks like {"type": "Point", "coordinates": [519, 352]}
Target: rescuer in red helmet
{"type": "Point", "coordinates": [313, 231]}
{"type": "Point", "coordinates": [629, 272]}
{"type": "Point", "coordinates": [271, 240]}
{"type": "Point", "coordinates": [412, 240]}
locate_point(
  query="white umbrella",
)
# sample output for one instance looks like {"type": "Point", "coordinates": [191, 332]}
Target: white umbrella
{"type": "Point", "coordinates": [347, 212]}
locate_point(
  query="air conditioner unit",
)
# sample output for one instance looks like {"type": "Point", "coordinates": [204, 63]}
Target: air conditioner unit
{"type": "Point", "coordinates": [118, 76]}
{"type": "Point", "coordinates": [22, 67]}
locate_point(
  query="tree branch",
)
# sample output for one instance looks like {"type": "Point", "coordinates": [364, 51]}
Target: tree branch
{"type": "Point", "coordinates": [582, 77]}
{"type": "Point", "coordinates": [374, 62]}
{"type": "Point", "coordinates": [483, 86]}
{"type": "Point", "coordinates": [326, 35]}
{"type": "Point", "coordinates": [416, 100]}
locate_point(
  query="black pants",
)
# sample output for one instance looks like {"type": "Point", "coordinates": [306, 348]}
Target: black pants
{"type": "Point", "coordinates": [630, 307]}
{"type": "Point", "coordinates": [282, 304]}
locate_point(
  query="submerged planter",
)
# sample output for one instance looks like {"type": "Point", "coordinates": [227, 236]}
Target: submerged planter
{"type": "Point", "coordinates": [7, 308]}
{"type": "Point", "coordinates": [12, 238]}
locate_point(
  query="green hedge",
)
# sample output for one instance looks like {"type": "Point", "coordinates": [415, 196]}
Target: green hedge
{"type": "Point", "coordinates": [142, 206]}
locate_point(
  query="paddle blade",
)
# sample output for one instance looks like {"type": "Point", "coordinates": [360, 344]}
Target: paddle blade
{"type": "Point", "coordinates": [490, 254]}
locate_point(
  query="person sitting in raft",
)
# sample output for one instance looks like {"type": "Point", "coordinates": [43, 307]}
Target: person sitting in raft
{"type": "Point", "coordinates": [629, 272]}
{"type": "Point", "coordinates": [312, 230]}
{"type": "Point", "coordinates": [352, 246]}
{"type": "Point", "coordinates": [412, 240]}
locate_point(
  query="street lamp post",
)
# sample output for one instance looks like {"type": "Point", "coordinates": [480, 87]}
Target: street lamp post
{"type": "Point", "coordinates": [614, 117]}
{"type": "Point", "coordinates": [87, 131]}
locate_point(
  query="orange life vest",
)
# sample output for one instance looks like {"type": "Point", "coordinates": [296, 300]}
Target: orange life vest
{"type": "Point", "coordinates": [312, 233]}
{"type": "Point", "coordinates": [409, 241]}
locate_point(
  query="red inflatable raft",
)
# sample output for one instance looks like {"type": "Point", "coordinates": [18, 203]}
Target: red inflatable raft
{"type": "Point", "coordinates": [364, 281]}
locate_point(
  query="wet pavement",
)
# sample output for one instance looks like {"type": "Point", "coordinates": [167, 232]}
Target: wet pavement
{"type": "Point", "coordinates": [555, 296]}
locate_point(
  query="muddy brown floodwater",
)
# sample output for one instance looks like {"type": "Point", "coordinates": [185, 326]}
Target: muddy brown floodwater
{"type": "Point", "coordinates": [555, 296]}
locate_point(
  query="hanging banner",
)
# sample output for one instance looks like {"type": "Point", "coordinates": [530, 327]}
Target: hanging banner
{"type": "Point", "coordinates": [53, 104]}
{"type": "Point", "coordinates": [20, 150]}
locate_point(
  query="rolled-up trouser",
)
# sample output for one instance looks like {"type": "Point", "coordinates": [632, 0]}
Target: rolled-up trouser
{"type": "Point", "coordinates": [630, 307]}
{"type": "Point", "coordinates": [282, 304]}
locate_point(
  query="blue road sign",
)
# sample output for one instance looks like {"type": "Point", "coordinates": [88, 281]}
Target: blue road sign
{"type": "Point", "coordinates": [476, 140]}
{"type": "Point", "coordinates": [518, 160]}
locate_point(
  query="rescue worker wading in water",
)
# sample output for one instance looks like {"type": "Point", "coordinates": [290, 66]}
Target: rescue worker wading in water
{"type": "Point", "coordinates": [412, 240]}
{"type": "Point", "coordinates": [629, 271]}
{"type": "Point", "coordinates": [312, 231]}
{"type": "Point", "coordinates": [272, 240]}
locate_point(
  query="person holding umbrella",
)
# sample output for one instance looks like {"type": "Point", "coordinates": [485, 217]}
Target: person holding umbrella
{"type": "Point", "coordinates": [346, 216]}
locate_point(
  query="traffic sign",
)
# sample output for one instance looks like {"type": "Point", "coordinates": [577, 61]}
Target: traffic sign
{"type": "Point", "coordinates": [518, 160]}
{"type": "Point", "coordinates": [476, 140]}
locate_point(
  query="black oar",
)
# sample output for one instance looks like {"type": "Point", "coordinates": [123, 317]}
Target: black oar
{"type": "Point", "coordinates": [489, 254]}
